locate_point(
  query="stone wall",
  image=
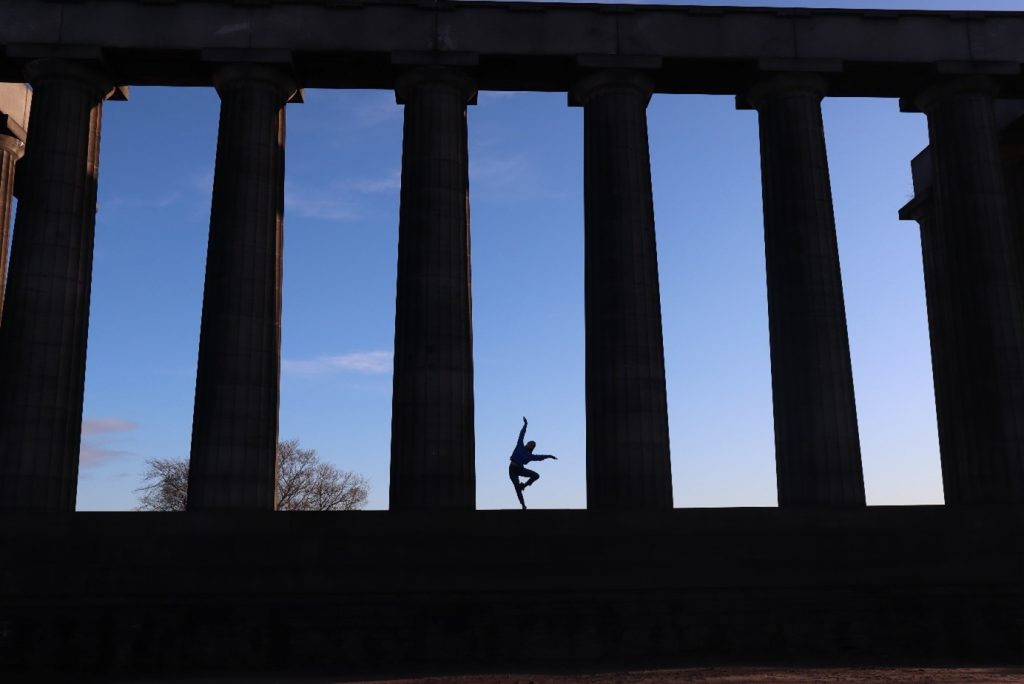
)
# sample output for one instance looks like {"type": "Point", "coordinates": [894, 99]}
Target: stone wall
{"type": "Point", "coordinates": [101, 593]}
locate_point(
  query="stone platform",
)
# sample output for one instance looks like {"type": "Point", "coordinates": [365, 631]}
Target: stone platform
{"type": "Point", "coordinates": [122, 593]}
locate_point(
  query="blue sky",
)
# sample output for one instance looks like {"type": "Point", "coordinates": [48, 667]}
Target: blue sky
{"type": "Point", "coordinates": [342, 189]}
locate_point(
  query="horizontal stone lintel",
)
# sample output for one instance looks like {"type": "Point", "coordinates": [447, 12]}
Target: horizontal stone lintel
{"type": "Point", "coordinates": [519, 46]}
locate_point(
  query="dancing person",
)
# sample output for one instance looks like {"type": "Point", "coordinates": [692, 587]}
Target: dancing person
{"type": "Point", "coordinates": [521, 455]}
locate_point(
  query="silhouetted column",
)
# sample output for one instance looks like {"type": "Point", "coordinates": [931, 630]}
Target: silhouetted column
{"type": "Point", "coordinates": [46, 311]}
{"type": "Point", "coordinates": [432, 434]}
{"type": "Point", "coordinates": [970, 266]}
{"type": "Point", "coordinates": [1010, 118]}
{"type": "Point", "coordinates": [11, 150]}
{"type": "Point", "coordinates": [817, 447]}
{"type": "Point", "coordinates": [940, 299]}
{"type": "Point", "coordinates": [628, 465]}
{"type": "Point", "coordinates": [234, 427]}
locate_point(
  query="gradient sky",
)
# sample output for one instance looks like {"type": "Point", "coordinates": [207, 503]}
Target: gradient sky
{"type": "Point", "coordinates": [341, 218]}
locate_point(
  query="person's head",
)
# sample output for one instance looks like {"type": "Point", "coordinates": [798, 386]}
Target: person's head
{"type": "Point", "coordinates": [530, 445]}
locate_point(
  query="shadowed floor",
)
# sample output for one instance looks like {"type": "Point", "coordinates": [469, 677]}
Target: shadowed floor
{"type": "Point", "coordinates": [358, 594]}
{"type": "Point", "coordinates": [704, 675]}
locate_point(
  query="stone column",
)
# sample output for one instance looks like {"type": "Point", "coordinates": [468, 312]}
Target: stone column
{"type": "Point", "coordinates": [15, 105]}
{"type": "Point", "coordinates": [1010, 119]}
{"type": "Point", "coordinates": [940, 299]}
{"type": "Point", "coordinates": [11, 150]}
{"type": "Point", "coordinates": [234, 426]}
{"type": "Point", "coordinates": [432, 433]}
{"type": "Point", "coordinates": [817, 447]}
{"type": "Point", "coordinates": [46, 311]}
{"type": "Point", "coordinates": [628, 465]}
{"type": "Point", "coordinates": [973, 279]}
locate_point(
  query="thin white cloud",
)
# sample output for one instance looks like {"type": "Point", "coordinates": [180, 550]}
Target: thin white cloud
{"type": "Point", "coordinates": [202, 181]}
{"type": "Point", "coordinates": [96, 434]}
{"type": "Point", "coordinates": [388, 183]}
{"type": "Point", "coordinates": [162, 201]}
{"type": "Point", "coordinates": [97, 426]}
{"type": "Point", "coordinates": [339, 200]}
{"type": "Point", "coordinates": [318, 203]}
{"type": "Point", "coordinates": [370, 363]}
{"type": "Point", "coordinates": [503, 170]}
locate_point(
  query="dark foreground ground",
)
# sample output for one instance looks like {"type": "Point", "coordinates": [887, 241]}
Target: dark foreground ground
{"type": "Point", "coordinates": [117, 596]}
{"type": "Point", "coordinates": [702, 675]}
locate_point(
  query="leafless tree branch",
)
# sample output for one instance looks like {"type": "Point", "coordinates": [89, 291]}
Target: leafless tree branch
{"type": "Point", "coordinates": [304, 483]}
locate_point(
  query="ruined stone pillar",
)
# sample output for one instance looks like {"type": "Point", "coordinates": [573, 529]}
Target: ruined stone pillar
{"type": "Point", "coordinates": [432, 432]}
{"type": "Point", "coordinates": [46, 311]}
{"type": "Point", "coordinates": [628, 465]}
{"type": "Point", "coordinates": [817, 447]}
{"type": "Point", "coordinates": [234, 427]}
{"type": "Point", "coordinates": [975, 299]}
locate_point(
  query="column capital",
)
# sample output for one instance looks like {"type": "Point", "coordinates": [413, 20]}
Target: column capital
{"type": "Point", "coordinates": [10, 143]}
{"type": "Point", "coordinates": [928, 97]}
{"type": "Point", "coordinates": [583, 90]}
{"type": "Point", "coordinates": [47, 69]}
{"type": "Point", "coordinates": [233, 75]}
{"type": "Point", "coordinates": [443, 76]}
{"type": "Point", "coordinates": [783, 84]}
{"type": "Point", "coordinates": [918, 208]}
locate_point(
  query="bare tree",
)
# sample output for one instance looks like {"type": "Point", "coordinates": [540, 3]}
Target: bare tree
{"type": "Point", "coordinates": [304, 483]}
{"type": "Point", "coordinates": [166, 485]}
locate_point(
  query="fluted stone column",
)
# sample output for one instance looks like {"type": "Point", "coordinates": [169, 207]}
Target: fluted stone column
{"type": "Point", "coordinates": [432, 432]}
{"type": "Point", "coordinates": [817, 447]}
{"type": "Point", "coordinates": [940, 298]}
{"type": "Point", "coordinates": [46, 311]}
{"type": "Point", "coordinates": [11, 150]}
{"type": "Point", "coordinates": [973, 278]}
{"type": "Point", "coordinates": [628, 465]}
{"type": "Point", "coordinates": [235, 422]}
{"type": "Point", "coordinates": [1010, 117]}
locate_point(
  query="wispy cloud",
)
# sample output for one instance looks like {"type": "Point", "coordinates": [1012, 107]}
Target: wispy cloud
{"type": "Point", "coordinates": [371, 362]}
{"type": "Point", "coordinates": [96, 435]}
{"type": "Point", "coordinates": [162, 201]}
{"type": "Point", "coordinates": [318, 203]}
{"type": "Point", "coordinates": [368, 186]}
{"type": "Point", "coordinates": [181, 193]}
{"type": "Point", "coordinates": [338, 200]}
{"type": "Point", "coordinates": [201, 181]}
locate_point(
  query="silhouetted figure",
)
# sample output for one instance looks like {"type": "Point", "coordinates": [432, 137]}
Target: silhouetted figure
{"type": "Point", "coordinates": [522, 455]}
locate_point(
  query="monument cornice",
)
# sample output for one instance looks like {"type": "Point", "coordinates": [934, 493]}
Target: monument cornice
{"type": "Point", "coordinates": [523, 46]}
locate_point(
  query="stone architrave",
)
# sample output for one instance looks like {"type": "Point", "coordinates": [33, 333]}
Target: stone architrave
{"type": "Point", "coordinates": [233, 462]}
{"type": "Point", "coordinates": [817, 446]}
{"type": "Point", "coordinates": [976, 307]}
{"type": "Point", "coordinates": [432, 431]}
{"type": "Point", "coordinates": [46, 310]}
{"type": "Point", "coordinates": [628, 464]}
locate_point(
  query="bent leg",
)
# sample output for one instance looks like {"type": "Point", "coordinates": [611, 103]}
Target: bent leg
{"type": "Point", "coordinates": [513, 474]}
{"type": "Point", "coordinates": [532, 475]}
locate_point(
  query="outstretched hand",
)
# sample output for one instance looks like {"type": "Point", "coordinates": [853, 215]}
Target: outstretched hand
{"type": "Point", "coordinates": [524, 420]}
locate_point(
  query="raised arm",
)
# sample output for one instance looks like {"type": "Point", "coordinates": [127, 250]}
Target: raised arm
{"type": "Point", "coordinates": [522, 433]}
